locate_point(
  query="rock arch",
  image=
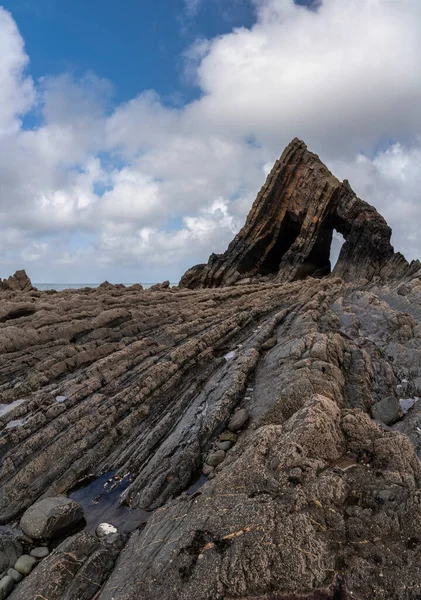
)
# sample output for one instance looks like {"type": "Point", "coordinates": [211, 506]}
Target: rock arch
{"type": "Point", "coordinates": [288, 231]}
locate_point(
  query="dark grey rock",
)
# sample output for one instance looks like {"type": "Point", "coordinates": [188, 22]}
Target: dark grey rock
{"type": "Point", "coordinates": [51, 517]}
{"type": "Point", "coordinates": [25, 564]}
{"type": "Point", "coordinates": [387, 411]}
{"type": "Point", "coordinates": [224, 445]}
{"type": "Point", "coordinates": [40, 552]}
{"type": "Point", "coordinates": [10, 550]}
{"type": "Point", "coordinates": [74, 571]}
{"type": "Point", "coordinates": [6, 586]}
{"type": "Point", "coordinates": [238, 420]}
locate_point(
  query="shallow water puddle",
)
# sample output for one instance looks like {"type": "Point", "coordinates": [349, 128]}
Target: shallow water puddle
{"type": "Point", "coordinates": [100, 500]}
{"type": "Point", "coordinates": [197, 485]}
{"type": "Point", "coordinates": [5, 408]}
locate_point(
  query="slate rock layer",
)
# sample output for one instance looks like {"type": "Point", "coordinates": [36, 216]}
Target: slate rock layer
{"type": "Point", "coordinates": [288, 231]}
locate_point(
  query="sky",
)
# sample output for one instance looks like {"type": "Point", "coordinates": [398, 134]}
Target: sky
{"type": "Point", "coordinates": [134, 140]}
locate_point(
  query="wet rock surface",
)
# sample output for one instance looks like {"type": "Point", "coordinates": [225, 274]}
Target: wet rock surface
{"type": "Point", "coordinates": [128, 392]}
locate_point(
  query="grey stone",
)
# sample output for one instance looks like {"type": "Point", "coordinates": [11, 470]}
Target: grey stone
{"type": "Point", "coordinates": [10, 550]}
{"type": "Point", "coordinates": [6, 586]}
{"type": "Point", "coordinates": [215, 458]}
{"type": "Point", "coordinates": [25, 564]}
{"type": "Point", "coordinates": [224, 445]}
{"type": "Point", "coordinates": [51, 517]}
{"type": "Point", "coordinates": [387, 411]}
{"type": "Point", "coordinates": [40, 552]}
{"type": "Point", "coordinates": [207, 470]}
{"type": "Point", "coordinates": [105, 529]}
{"type": "Point", "coordinates": [15, 575]}
{"type": "Point", "coordinates": [238, 420]}
{"type": "Point", "coordinates": [115, 539]}
{"type": "Point", "coordinates": [228, 436]}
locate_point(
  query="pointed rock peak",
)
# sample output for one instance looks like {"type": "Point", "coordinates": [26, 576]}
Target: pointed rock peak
{"type": "Point", "coordinates": [19, 282]}
{"type": "Point", "coordinates": [288, 231]}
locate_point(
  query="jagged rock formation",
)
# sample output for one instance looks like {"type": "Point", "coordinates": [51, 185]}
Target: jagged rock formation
{"type": "Point", "coordinates": [288, 232]}
{"type": "Point", "coordinates": [19, 282]}
{"type": "Point", "coordinates": [310, 499]}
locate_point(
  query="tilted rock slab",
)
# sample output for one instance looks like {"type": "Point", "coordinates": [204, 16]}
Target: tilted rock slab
{"type": "Point", "coordinates": [288, 231]}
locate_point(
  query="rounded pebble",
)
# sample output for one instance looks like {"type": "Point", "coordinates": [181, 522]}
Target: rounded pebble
{"type": "Point", "coordinates": [228, 436]}
{"type": "Point", "coordinates": [207, 470]}
{"type": "Point", "coordinates": [238, 420]}
{"type": "Point", "coordinates": [17, 577]}
{"type": "Point", "coordinates": [215, 458]}
{"type": "Point", "coordinates": [40, 552]}
{"type": "Point", "coordinates": [25, 564]}
{"type": "Point", "coordinates": [105, 529]}
{"type": "Point", "coordinates": [224, 445]}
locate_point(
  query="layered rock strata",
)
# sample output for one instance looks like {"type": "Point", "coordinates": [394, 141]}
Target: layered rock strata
{"type": "Point", "coordinates": [275, 390]}
{"type": "Point", "coordinates": [288, 231]}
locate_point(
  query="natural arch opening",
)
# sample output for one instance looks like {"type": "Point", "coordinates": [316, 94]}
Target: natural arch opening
{"type": "Point", "coordinates": [338, 241]}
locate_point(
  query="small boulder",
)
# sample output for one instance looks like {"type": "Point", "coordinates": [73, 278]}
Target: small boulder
{"type": "Point", "coordinates": [6, 586]}
{"type": "Point", "coordinates": [207, 470]}
{"type": "Point", "coordinates": [224, 445]}
{"type": "Point", "coordinates": [51, 517]}
{"type": "Point", "coordinates": [105, 529]}
{"type": "Point", "coordinates": [238, 420]}
{"type": "Point", "coordinates": [25, 564]}
{"type": "Point", "coordinates": [387, 411]}
{"type": "Point", "coordinates": [215, 458]}
{"type": "Point", "coordinates": [40, 552]}
{"type": "Point", "coordinates": [10, 550]}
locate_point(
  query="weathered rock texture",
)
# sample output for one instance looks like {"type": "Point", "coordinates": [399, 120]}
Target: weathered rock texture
{"type": "Point", "coordinates": [288, 232]}
{"type": "Point", "coordinates": [315, 499]}
{"type": "Point", "coordinates": [19, 282]}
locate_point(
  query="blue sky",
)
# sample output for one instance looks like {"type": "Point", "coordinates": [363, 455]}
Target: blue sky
{"type": "Point", "coordinates": [136, 45]}
{"type": "Point", "coordinates": [133, 140]}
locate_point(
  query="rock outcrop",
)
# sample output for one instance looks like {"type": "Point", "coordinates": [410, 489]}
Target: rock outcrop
{"type": "Point", "coordinates": [245, 428]}
{"type": "Point", "coordinates": [19, 282]}
{"type": "Point", "coordinates": [288, 231]}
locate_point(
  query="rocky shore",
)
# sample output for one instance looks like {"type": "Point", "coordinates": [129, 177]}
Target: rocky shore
{"type": "Point", "coordinates": [258, 426]}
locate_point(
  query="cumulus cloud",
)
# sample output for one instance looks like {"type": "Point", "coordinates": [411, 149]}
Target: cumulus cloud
{"type": "Point", "coordinates": [143, 190]}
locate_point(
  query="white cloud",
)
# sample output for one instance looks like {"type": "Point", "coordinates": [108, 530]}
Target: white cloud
{"type": "Point", "coordinates": [17, 92]}
{"type": "Point", "coordinates": [152, 189]}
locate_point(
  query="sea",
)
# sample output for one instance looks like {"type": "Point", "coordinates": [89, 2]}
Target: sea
{"type": "Point", "coordinates": [59, 287]}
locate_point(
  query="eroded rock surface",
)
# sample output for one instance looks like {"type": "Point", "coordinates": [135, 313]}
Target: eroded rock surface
{"type": "Point", "coordinates": [288, 232]}
{"type": "Point", "coordinates": [309, 498]}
